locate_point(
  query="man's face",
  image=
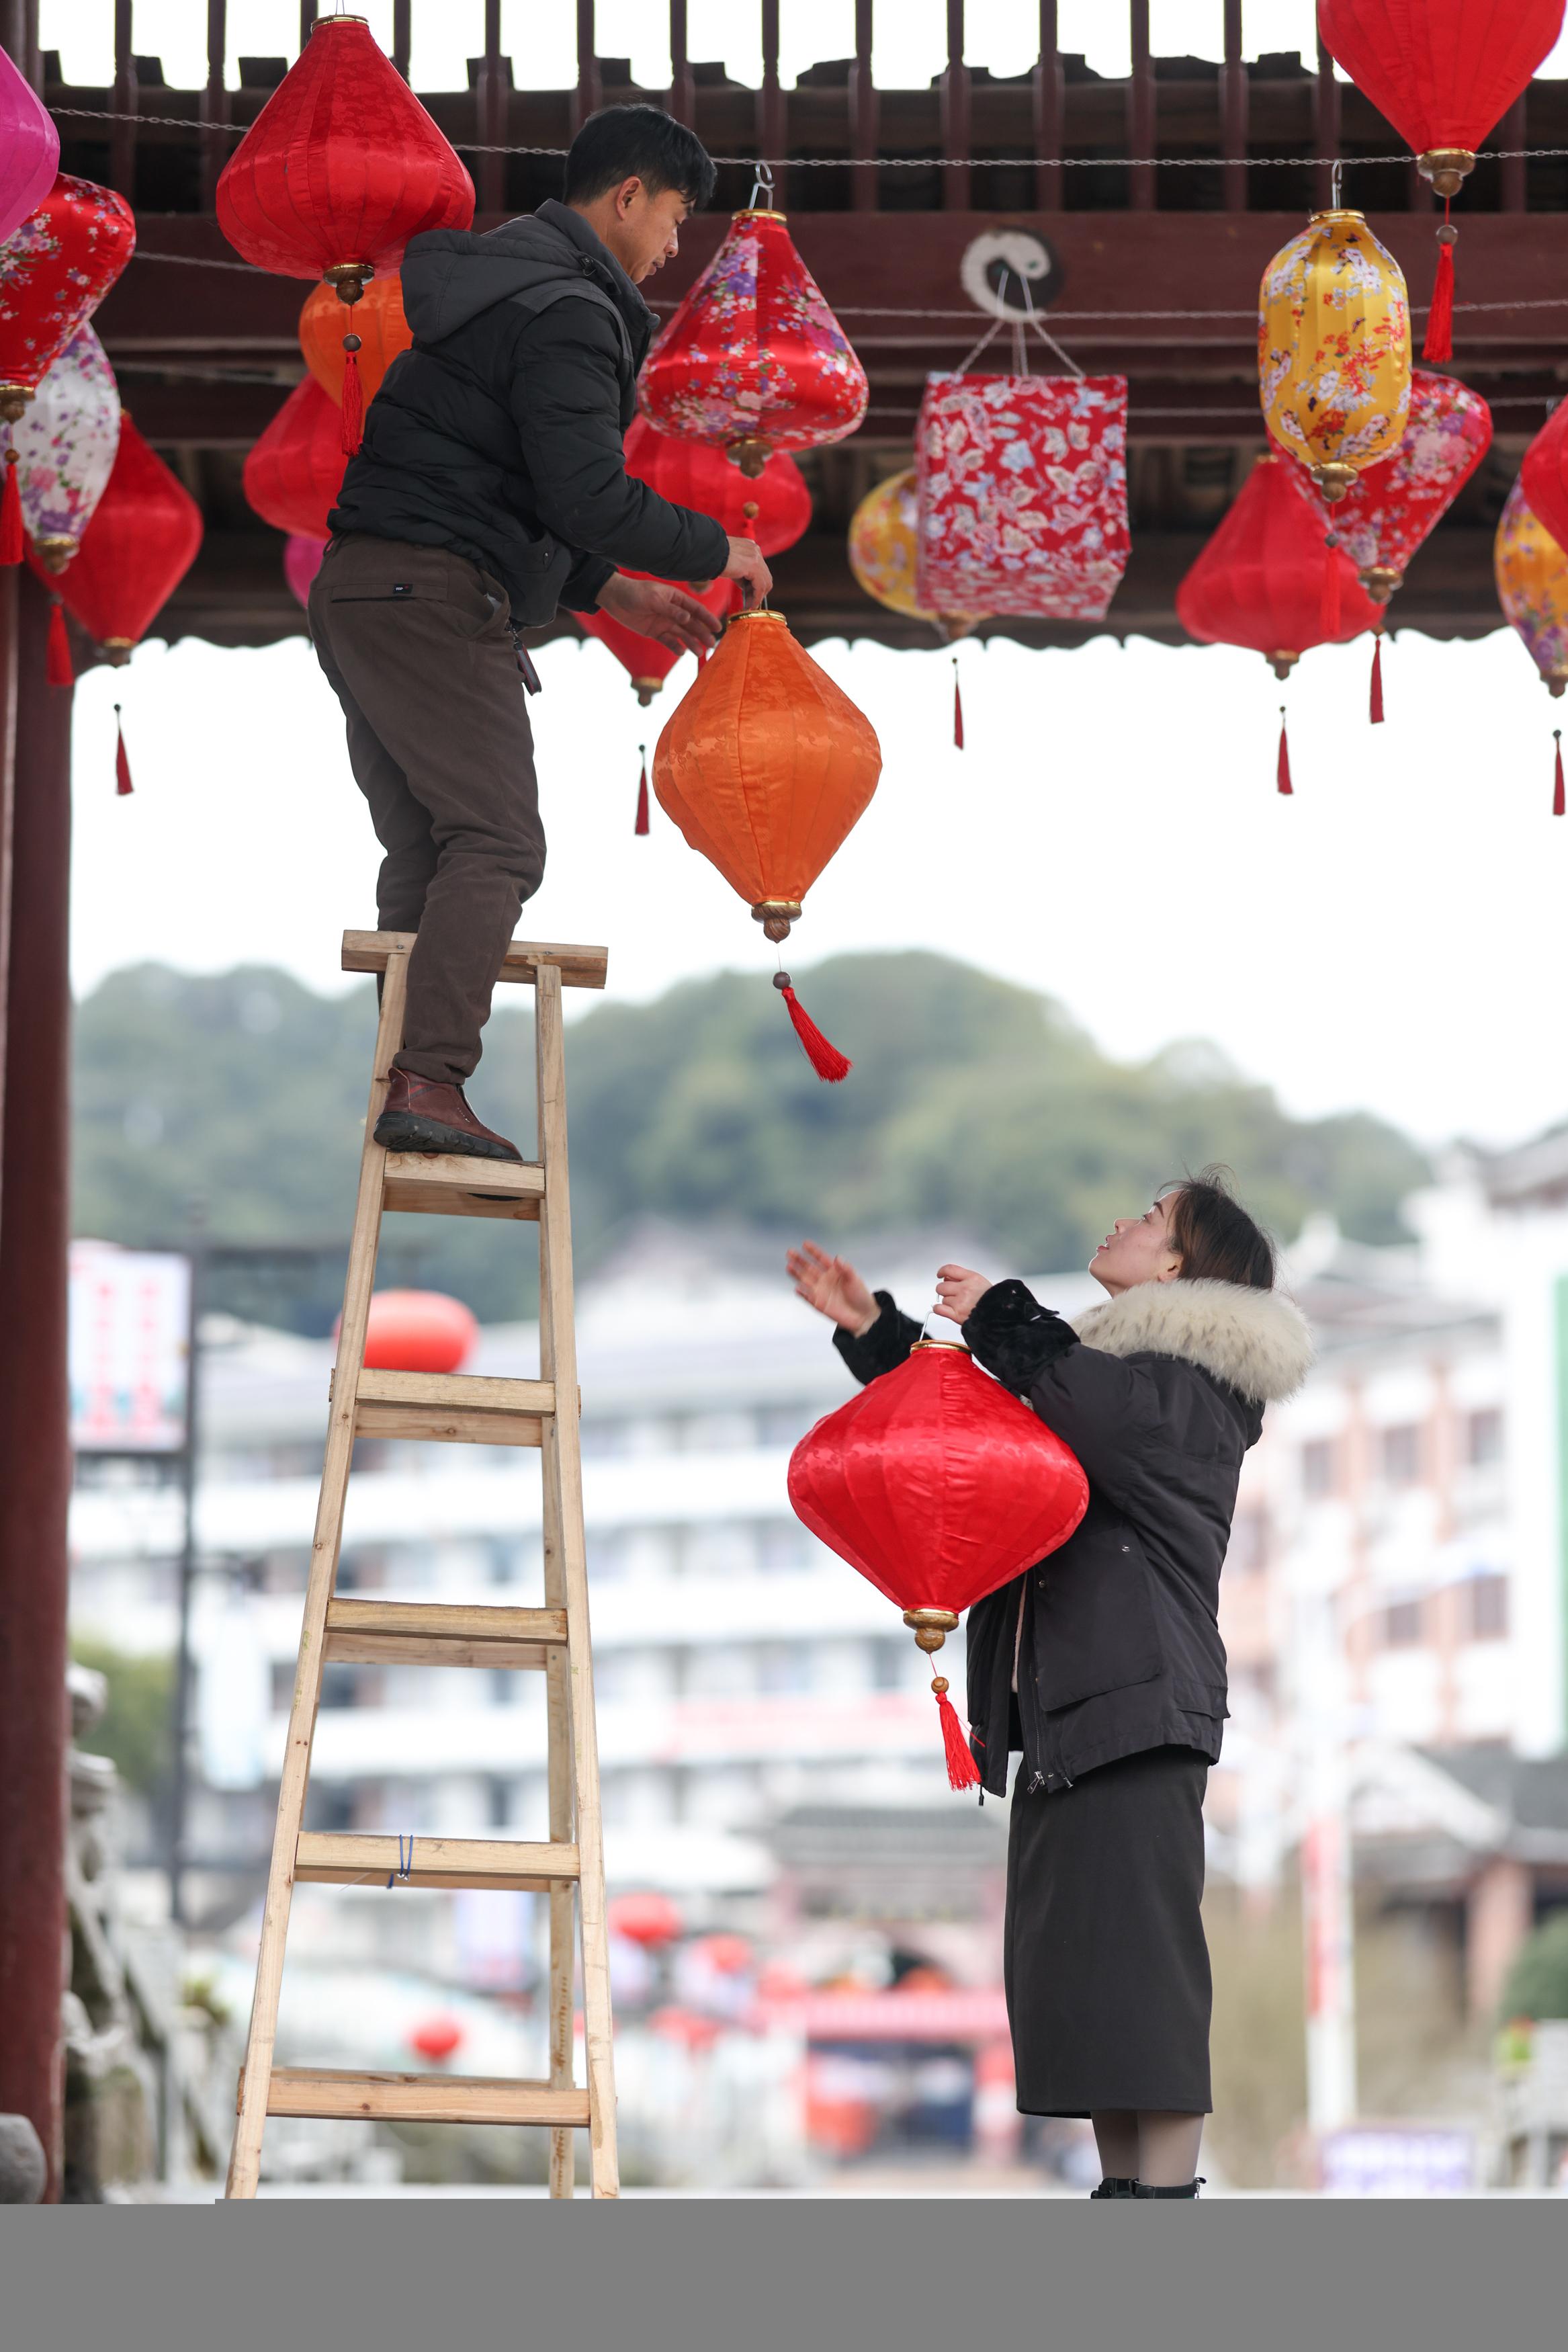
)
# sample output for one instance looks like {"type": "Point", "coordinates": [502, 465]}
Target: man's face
{"type": "Point", "coordinates": [645, 231]}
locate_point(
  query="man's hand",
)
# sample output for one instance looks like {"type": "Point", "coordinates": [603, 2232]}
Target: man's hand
{"type": "Point", "coordinates": [959, 1291]}
{"type": "Point", "coordinates": [656, 609]}
{"type": "Point", "coordinates": [832, 1287]}
{"type": "Point", "coordinates": [746, 564]}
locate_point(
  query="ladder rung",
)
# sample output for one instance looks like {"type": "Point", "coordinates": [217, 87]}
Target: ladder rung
{"type": "Point", "coordinates": [344, 1857]}
{"type": "Point", "coordinates": [451, 1408]}
{"type": "Point", "coordinates": [437, 1633]}
{"type": "Point", "coordinates": [443, 1184]}
{"type": "Point", "coordinates": [420, 2098]}
{"type": "Point", "coordinates": [578, 967]}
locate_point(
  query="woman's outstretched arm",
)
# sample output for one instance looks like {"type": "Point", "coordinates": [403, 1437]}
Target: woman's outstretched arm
{"type": "Point", "coordinates": [872, 1337]}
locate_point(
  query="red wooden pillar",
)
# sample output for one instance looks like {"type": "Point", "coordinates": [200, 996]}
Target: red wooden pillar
{"type": "Point", "coordinates": [34, 1445]}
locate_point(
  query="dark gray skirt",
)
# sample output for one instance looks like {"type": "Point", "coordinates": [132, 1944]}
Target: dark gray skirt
{"type": "Point", "coordinates": [1106, 1967]}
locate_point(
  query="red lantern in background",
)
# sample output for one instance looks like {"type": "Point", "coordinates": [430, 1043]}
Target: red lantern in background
{"type": "Point", "coordinates": [338, 170]}
{"type": "Point", "coordinates": [939, 1485]}
{"type": "Point", "coordinates": [1260, 582]}
{"type": "Point", "coordinates": [301, 563]}
{"type": "Point", "coordinates": [775, 509]}
{"type": "Point", "coordinates": [418, 1331]}
{"type": "Point", "coordinates": [647, 1919]}
{"type": "Point", "coordinates": [1443, 72]}
{"type": "Point", "coordinates": [1544, 477]}
{"type": "Point", "coordinates": [437, 2038]}
{"type": "Point", "coordinates": [141, 543]}
{"type": "Point", "coordinates": [295, 471]}
{"type": "Point", "coordinates": [646, 662]}
{"type": "Point", "coordinates": [754, 361]}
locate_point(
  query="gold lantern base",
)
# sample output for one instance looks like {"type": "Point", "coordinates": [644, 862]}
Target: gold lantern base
{"type": "Point", "coordinates": [931, 1627]}
{"type": "Point", "coordinates": [645, 689]}
{"type": "Point", "coordinates": [53, 553]}
{"type": "Point", "coordinates": [1448, 168]}
{"type": "Point", "coordinates": [1282, 664]}
{"type": "Point", "coordinates": [776, 915]}
{"type": "Point", "coordinates": [750, 454]}
{"type": "Point", "coordinates": [1333, 480]}
{"type": "Point", "coordinates": [117, 651]}
{"type": "Point", "coordinates": [1555, 680]}
{"type": "Point", "coordinates": [348, 278]}
{"type": "Point", "coordinates": [14, 399]}
{"type": "Point", "coordinates": [1380, 581]}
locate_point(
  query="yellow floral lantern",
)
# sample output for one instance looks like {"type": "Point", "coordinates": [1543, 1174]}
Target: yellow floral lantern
{"type": "Point", "coordinates": [1333, 350]}
{"type": "Point", "coordinates": [883, 553]}
{"type": "Point", "coordinates": [1533, 588]}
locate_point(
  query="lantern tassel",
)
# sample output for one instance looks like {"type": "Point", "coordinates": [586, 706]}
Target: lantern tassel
{"type": "Point", "coordinates": [1559, 807]}
{"type": "Point", "coordinates": [642, 823]}
{"type": "Point", "coordinates": [58, 668]}
{"type": "Point", "coordinates": [957, 709]}
{"type": "Point", "coordinates": [122, 783]}
{"type": "Point", "coordinates": [1439, 342]}
{"type": "Point", "coordinates": [1374, 711]}
{"type": "Point", "coordinates": [824, 1057]}
{"type": "Point", "coordinates": [1330, 610]}
{"type": "Point", "coordinates": [353, 404]}
{"type": "Point", "coordinates": [1283, 767]}
{"type": "Point", "coordinates": [962, 1771]}
{"type": "Point", "coordinates": [11, 513]}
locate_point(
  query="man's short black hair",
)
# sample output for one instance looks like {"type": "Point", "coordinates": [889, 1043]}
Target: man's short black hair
{"type": "Point", "coordinates": [643, 143]}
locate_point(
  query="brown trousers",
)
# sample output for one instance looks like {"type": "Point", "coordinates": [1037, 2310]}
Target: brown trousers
{"type": "Point", "coordinates": [417, 645]}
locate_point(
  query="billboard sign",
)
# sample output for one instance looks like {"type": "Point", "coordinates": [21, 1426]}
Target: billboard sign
{"type": "Point", "coordinates": [129, 1340]}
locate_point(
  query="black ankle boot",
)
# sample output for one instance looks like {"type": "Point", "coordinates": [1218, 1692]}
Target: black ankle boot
{"type": "Point", "coordinates": [1188, 2189]}
{"type": "Point", "coordinates": [1112, 2186]}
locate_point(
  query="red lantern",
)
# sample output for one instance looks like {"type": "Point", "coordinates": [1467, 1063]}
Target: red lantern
{"type": "Point", "coordinates": [646, 1919]}
{"type": "Point", "coordinates": [140, 544]}
{"type": "Point", "coordinates": [646, 662]}
{"type": "Point", "coordinates": [55, 271]}
{"type": "Point", "coordinates": [939, 1485]}
{"type": "Point", "coordinates": [1442, 72]}
{"type": "Point", "coordinates": [295, 471]}
{"type": "Point", "coordinates": [775, 509]}
{"type": "Point", "coordinates": [338, 170]}
{"type": "Point", "coordinates": [418, 1331]}
{"type": "Point", "coordinates": [754, 361]}
{"type": "Point", "coordinates": [437, 2038]}
{"type": "Point", "coordinates": [1268, 580]}
{"type": "Point", "coordinates": [1397, 504]}
{"type": "Point", "coordinates": [1544, 477]}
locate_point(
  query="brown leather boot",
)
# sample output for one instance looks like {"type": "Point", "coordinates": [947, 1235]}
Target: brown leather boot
{"type": "Point", "coordinates": [419, 1115]}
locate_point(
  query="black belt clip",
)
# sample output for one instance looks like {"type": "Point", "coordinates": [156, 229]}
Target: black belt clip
{"type": "Point", "coordinates": [532, 682]}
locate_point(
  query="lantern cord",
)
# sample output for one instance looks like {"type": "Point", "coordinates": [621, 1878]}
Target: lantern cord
{"type": "Point", "coordinates": [824, 1056]}
{"type": "Point", "coordinates": [1439, 342]}
{"type": "Point", "coordinates": [642, 823]}
{"type": "Point", "coordinates": [1031, 318]}
{"type": "Point", "coordinates": [1375, 711]}
{"type": "Point", "coordinates": [1283, 766]}
{"type": "Point", "coordinates": [11, 540]}
{"type": "Point", "coordinates": [957, 709]}
{"type": "Point", "coordinates": [762, 186]}
{"type": "Point", "coordinates": [123, 786]}
{"type": "Point", "coordinates": [353, 402]}
{"type": "Point", "coordinates": [1559, 806]}
{"type": "Point", "coordinates": [58, 668]}
{"type": "Point", "coordinates": [962, 1771]}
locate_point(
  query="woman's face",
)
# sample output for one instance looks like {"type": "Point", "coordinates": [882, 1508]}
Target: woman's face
{"type": "Point", "coordinates": [1137, 1249]}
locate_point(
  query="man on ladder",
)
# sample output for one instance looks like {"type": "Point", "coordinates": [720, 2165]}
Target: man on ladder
{"type": "Point", "coordinates": [492, 487]}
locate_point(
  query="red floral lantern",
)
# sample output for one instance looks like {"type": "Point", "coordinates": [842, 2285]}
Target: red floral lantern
{"type": "Point", "coordinates": [141, 543]}
{"type": "Point", "coordinates": [775, 509]}
{"type": "Point", "coordinates": [754, 361]}
{"type": "Point", "coordinates": [418, 1331]}
{"type": "Point", "coordinates": [1442, 72]}
{"type": "Point", "coordinates": [55, 271]}
{"type": "Point", "coordinates": [338, 170]}
{"type": "Point", "coordinates": [939, 1485]}
{"type": "Point", "coordinates": [1544, 477]}
{"type": "Point", "coordinates": [295, 471]}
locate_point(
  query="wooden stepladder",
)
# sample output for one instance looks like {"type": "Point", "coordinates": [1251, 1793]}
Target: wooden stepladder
{"type": "Point", "coordinates": [466, 1411]}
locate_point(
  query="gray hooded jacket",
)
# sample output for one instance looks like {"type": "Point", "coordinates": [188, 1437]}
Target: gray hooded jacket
{"type": "Point", "coordinates": [500, 435]}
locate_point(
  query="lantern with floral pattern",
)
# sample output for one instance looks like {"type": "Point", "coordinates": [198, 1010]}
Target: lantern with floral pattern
{"type": "Point", "coordinates": [65, 444]}
{"type": "Point", "coordinates": [1533, 588]}
{"type": "Point", "coordinates": [1394, 505]}
{"type": "Point", "coordinates": [1333, 350]}
{"type": "Point", "coordinates": [885, 552]}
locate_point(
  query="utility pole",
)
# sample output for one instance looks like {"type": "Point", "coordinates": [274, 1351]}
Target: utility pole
{"type": "Point", "coordinates": [179, 1793]}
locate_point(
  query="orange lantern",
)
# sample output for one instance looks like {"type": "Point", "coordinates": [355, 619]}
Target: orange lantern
{"type": "Point", "coordinates": [765, 766]}
{"type": "Point", "coordinates": [382, 333]}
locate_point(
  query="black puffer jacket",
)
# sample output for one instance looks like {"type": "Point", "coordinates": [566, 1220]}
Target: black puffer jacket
{"type": "Point", "coordinates": [1159, 1393]}
{"type": "Point", "coordinates": [500, 434]}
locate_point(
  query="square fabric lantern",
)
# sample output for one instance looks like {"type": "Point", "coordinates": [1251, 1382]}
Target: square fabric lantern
{"type": "Point", "coordinates": [1022, 495]}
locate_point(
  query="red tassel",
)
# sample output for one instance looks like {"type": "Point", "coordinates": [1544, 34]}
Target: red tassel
{"type": "Point", "coordinates": [1329, 612]}
{"type": "Point", "coordinates": [59, 667]}
{"type": "Point", "coordinates": [122, 783]}
{"type": "Point", "coordinates": [957, 709]}
{"type": "Point", "coordinates": [825, 1058]}
{"type": "Point", "coordinates": [1557, 800]}
{"type": "Point", "coordinates": [1375, 712]}
{"type": "Point", "coordinates": [1439, 342]}
{"type": "Point", "coordinates": [642, 823]}
{"type": "Point", "coordinates": [1282, 769]}
{"type": "Point", "coordinates": [11, 513]}
{"type": "Point", "coordinates": [963, 1772]}
{"type": "Point", "coordinates": [353, 399]}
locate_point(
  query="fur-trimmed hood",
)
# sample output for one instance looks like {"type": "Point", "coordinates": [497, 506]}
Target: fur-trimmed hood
{"type": "Point", "coordinates": [1256, 1341]}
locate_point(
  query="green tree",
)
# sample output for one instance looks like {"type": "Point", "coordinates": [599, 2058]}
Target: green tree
{"type": "Point", "coordinates": [135, 1731]}
{"type": "Point", "coordinates": [1538, 1982]}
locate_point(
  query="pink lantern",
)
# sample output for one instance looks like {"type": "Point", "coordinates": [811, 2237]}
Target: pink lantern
{"type": "Point", "coordinates": [29, 149]}
{"type": "Point", "coordinates": [1395, 504]}
{"type": "Point", "coordinates": [301, 563]}
{"type": "Point", "coordinates": [1022, 495]}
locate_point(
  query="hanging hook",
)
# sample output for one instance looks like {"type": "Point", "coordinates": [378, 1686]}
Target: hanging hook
{"type": "Point", "coordinates": [762, 186]}
{"type": "Point", "coordinates": [1336, 187]}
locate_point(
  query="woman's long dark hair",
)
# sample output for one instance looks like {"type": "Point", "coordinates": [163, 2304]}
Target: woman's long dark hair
{"type": "Point", "coordinates": [1218, 1240]}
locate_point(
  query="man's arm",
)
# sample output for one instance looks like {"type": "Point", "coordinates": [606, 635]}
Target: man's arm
{"type": "Point", "coordinates": [566, 402]}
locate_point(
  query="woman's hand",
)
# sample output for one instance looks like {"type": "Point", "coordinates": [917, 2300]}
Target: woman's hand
{"type": "Point", "coordinates": [656, 609]}
{"type": "Point", "coordinates": [959, 1291]}
{"type": "Point", "coordinates": [832, 1287]}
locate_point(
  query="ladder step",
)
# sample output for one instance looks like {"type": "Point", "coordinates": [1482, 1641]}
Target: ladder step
{"type": "Point", "coordinates": [578, 967]}
{"type": "Point", "coordinates": [422, 2098]}
{"type": "Point", "coordinates": [436, 1633]}
{"type": "Point", "coordinates": [451, 1408]}
{"type": "Point", "coordinates": [445, 1184]}
{"type": "Point", "coordinates": [347, 1857]}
